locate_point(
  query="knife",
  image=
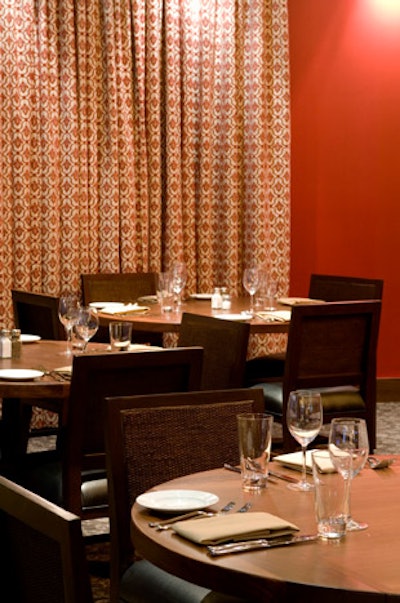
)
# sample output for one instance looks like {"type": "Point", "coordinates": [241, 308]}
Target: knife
{"type": "Point", "coordinates": [286, 478]}
{"type": "Point", "coordinates": [261, 543]}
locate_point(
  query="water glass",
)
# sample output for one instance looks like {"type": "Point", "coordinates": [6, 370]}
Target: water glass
{"type": "Point", "coordinates": [255, 437]}
{"type": "Point", "coordinates": [331, 499]}
{"type": "Point", "coordinates": [165, 293]}
{"type": "Point", "coordinates": [120, 336]}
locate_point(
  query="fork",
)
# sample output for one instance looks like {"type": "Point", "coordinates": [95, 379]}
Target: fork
{"type": "Point", "coordinates": [168, 523]}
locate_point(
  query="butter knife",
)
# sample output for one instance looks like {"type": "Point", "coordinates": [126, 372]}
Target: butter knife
{"type": "Point", "coordinates": [261, 543]}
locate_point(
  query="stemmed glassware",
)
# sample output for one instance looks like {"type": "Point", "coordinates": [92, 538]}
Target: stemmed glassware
{"type": "Point", "coordinates": [87, 324]}
{"type": "Point", "coordinates": [251, 282]}
{"type": "Point", "coordinates": [348, 441]}
{"type": "Point", "coordinates": [304, 420]}
{"type": "Point", "coordinates": [179, 276]}
{"type": "Point", "coordinates": [68, 313]}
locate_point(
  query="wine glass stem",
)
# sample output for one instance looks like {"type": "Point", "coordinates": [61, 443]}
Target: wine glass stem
{"type": "Point", "coordinates": [304, 468]}
{"type": "Point", "coordinates": [68, 331]}
{"type": "Point", "coordinates": [348, 498]}
{"type": "Point", "coordinates": [252, 303]}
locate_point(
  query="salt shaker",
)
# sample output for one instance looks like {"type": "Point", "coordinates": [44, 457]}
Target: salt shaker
{"type": "Point", "coordinates": [5, 343]}
{"type": "Point", "coordinates": [216, 299]}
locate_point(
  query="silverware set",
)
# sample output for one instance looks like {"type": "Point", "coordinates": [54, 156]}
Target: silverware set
{"type": "Point", "coordinates": [166, 524]}
{"type": "Point", "coordinates": [56, 375]}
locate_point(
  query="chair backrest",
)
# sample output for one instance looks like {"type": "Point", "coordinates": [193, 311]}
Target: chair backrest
{"type": "Point", "coordinates": [43, 558]}
{"type": "Point", "coordinates": [344, 288]}
{"type": "Point", "coordinates": [127, 287]}
{"type": "Point", "coordinates": [333, 345]}
{"type": "Point", "coordinates": [96, 376]}
{"type": "Point", "coordinates": [154, 438]}
{"type": "Point", "coordinates": [225, 344]}
{"type": "Point", "coordinates": [37, 314]}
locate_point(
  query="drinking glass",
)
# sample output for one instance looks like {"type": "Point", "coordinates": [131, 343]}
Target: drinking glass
{"type": "Point", "coordinates": [349, 438]}
{"type": "Point", "coordinates": [251, 282]}
{"type": "Point", "coordinates": [304, 421]}
{"type": "Point", "coordinates": [68, 312]}
{"type": "Point", "coordinates": [179, 276]}
{"type": "Point", "coordinates": [86, 324]}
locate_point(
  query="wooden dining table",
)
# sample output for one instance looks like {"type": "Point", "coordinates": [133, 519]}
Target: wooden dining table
{"type": "Point", "coordinates": [153, 320]}
{"type": "Point", "coordinates": [49, 391]}
{"type": "Point", "coordinates": [361, 568]}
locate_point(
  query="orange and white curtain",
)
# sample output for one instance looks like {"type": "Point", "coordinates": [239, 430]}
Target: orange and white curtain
{"type": "Point", "coordinates": [137, 132]}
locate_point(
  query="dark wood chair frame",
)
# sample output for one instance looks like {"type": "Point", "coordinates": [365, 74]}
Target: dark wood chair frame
{"type": "Point", "coordinates": [225, 345]}
{"type": "Point", "coordinates": [332, 288]}
{"type": "Point", "coordinates": [331, 345]}
{"type": "Point", "coordinates": [207, 438]}
{"type": "Point", "coordinates": [43, 555]}
{"type": "Point", "coordinates": [37, 314]}
{"type": "Point", "coordinates": [82, 467]}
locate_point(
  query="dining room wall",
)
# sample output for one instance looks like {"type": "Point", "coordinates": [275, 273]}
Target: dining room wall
{"type": "Point", "coordinates": [345, 178]}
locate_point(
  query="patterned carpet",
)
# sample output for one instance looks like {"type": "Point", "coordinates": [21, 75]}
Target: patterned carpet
{"type": "Point", "coordinates": [388, 441]}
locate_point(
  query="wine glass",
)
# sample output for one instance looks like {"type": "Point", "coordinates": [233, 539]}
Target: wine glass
{"type": "Point", "coordinates": [68, 307]}
{"type": "Point", "coordinates": [348, 441]}
{"type": "Point", "coordinates": [179, 276]}
{"type": "Point", "coordinates": [86, 324]}
{"type": "Point", "coordinates": [251, 282]}
{"type": "Point", "coordinates": [304, 421]}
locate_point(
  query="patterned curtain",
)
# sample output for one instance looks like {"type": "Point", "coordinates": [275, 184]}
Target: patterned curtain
{"type": "Point", "coordinates": [137, 132]}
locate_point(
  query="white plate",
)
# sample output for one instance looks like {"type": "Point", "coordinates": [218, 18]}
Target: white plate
{"type": "Point", "coordinates": [20, 374]}
{"type": "Point", "coordinates": [239, 317]}
{"type": "Point", "coordinates": [175, 501]}
{"type": "Point", "coordinates": [100, 305]}
{"type": "Point", "coordinates": [30, 338]}
{"type": "Point", "coordinates": [206, 296]}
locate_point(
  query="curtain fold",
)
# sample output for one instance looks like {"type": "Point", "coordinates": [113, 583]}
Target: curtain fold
{"type": "Point", "coordinates": [137, 132]}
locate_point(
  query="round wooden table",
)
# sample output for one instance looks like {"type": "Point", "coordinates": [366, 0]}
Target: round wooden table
{"type": "Point", "coordinates": [363, 567]}
{"type": "Point", "coordinates": [155, 321]}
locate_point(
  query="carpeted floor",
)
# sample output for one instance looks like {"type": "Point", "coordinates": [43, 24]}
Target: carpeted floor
{"type": "Point", "coordinates": [388, 441]}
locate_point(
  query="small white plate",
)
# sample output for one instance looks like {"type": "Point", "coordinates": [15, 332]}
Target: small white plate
{"type": "Point", "coordinates": [205, 296]}
{"type": "Point", "coordinates": [112, 305]}
{"type": "Point", "coordinates": [30, 338]}
{"type": "Point", "coordinates": [175, 501]}
{"type": "Point", "coordinates": [238, 317]}
{"type": "Point", "coordinates": [20, 374]}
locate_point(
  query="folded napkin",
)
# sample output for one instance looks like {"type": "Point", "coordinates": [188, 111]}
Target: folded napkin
{"type": "Point", "coordinates": [279, 315]}
{"type": "Point", "coordinates": [66, 370]}
{"type": "Point", "coordinates": [124, 309]}
{"type": "Point", "coordinates": [233, 527]}
{"type": "Point", "coordinates": [293, 301]}
{"type": "Point", "coordinates": [294, 460]}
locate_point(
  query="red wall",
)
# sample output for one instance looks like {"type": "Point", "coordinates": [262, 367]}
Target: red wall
{"type": "Point", "coordinates": [345, 95]}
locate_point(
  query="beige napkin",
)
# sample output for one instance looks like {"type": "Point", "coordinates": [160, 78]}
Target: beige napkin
{"type": "Point", "coordinates": [67, 370]}
{"type": "Point", "coordinates": [124, 309]}
{"type": "Point", "coordinates": [233, 527]}
{"type": "Point", "coordinates": [279, 315]}
{"type": "Point", "coordinates": [294, 460]}
{"type": "Point", "coordinates": [293, 301]}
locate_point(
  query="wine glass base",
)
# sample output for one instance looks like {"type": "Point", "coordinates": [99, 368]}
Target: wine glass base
{"type": "Point", "coordinates": [301, 486]}
{"type": "Point", "coordinates": [355, 526]}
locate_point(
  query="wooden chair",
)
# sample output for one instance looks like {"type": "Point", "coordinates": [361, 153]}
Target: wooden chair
{"type": "Point", "coordinates": [225, 345]}
{"type": "Point", "coordinates": [42, 552]}
{"type": "Point", "coordinates": [126, 287]}
{"type": "Point", "coordinates": [344, 288]}
{"type": "Point", "coordinates": [76, 478]}
{"type": "Point", "coordinates": [327, 288]}
{"type": "Point", "coordinates": [331, 348]}
{"type": "Point", "coordinates": [37, 314]}
{"type": "Point", "coordinates": [153, 438]}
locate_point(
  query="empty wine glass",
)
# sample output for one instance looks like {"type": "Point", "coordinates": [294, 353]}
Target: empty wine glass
{"type": "Point", "coordinates": [349, 438]}
{"type": "Point", "coordinates": [86, 324]}
{"type": "Point", "coordinates": [251, 282]}
{"type": "Point", "coordinates": [179, 276]}
{"type": "Point", "coordinates": [68, 312]}
{"type": "Point", "coordinates": [304, 421]}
